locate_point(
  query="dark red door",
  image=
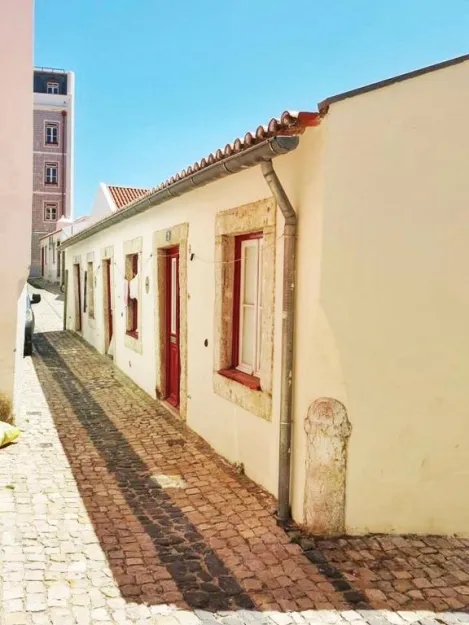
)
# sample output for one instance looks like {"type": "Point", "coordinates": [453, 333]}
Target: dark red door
{"type": "Point", "coordinates": [107, 270]}
{"type": "Point", "coordinates": [77, 298]}
{"type": "Point", "coordinates": [172, 325]}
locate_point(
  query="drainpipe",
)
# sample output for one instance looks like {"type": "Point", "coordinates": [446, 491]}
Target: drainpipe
{"type": "Point", "coordinates": [64, 163]}
{"type": "Point", "coordinates": [288, 312]}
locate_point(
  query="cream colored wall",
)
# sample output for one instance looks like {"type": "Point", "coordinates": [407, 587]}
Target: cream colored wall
{"type": "Point", "coordinates": [50, 266]}
{"type": "Point", "coordinates": [15, 178]}
{"type": "Point", "coordinates": [235, 433]}
{"type": "Point", "coordinates": [395, 299]}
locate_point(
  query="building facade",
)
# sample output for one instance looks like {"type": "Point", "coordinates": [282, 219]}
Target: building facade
{"type": "Point", "coordinates": [51, 256]}
{"type": "Point", "coordinates": [190, 289]}
{"type": "Point", "coordinates": [16, 68]}
{"type": "Point", "coordinates": [53, 138]}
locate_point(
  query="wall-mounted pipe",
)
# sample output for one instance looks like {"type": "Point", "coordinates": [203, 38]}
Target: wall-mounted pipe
{"type": "Point", "coordinates": [288, 318]}
{"type": "Point", "coordinates": [64, 163]}
{"type": "Point", "coordinates": [251, 157]}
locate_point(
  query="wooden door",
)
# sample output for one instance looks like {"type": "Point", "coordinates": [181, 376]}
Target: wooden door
{"type": "Point", "coordinates": [172, 325]}
{"type": "Point", "coordinates": [77, 286]}
{"type": "Point", "coordinates": [108, 302]}
{"type": "Point", "coordinates": [42, 261]}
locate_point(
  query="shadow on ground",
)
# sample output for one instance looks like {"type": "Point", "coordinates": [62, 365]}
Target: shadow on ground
{"type": "Point", "coordinates": [213, 543]}
{"type": "Point", "coordinates": [43, 285]}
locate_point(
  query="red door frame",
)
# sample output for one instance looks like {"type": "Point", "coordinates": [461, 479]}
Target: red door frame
{"type": "Point", "coordinates": [78, 297]}
{"type": "Point", "coordinates": [107, 282]}
{"type": "Point", "coordinates": [172, 354]}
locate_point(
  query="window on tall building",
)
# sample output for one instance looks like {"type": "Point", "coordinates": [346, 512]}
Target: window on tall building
{"type": "Point", "coordinates": [50, 211]}
{"type": "Point", "coordinates": [52, 134]}
{"type": "Point", "coordinates": [51, 173]}
{"type": "Point", "coordinates": [52, 87]}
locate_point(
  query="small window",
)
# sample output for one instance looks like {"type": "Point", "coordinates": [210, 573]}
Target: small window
{"type": "Point", "coordinates": [52, 134]}
{"type": "Point", "coordinates": [52, 87]}
{"type": "Point", "coordinates": [52, 173]}
{"type": "Point", "coordinates": [247, 312]}
{"type": "Point", "coordinates": [50, 212]}
{"type": "Point", "coordinates": [90, 275]}
{"type": "Point", "coordinates": [131, 273]}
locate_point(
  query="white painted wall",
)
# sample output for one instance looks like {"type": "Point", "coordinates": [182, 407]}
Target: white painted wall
{"type": "Point", "coordinates": [231, 430]}
{"type": "Point", "coordinates": [103, 203]}
{"type": "Point", "coordinates": [15, 178]}
{"type": "Point", "coordinates": [381, 191]}
{"type": "Point", "coordinates": [51, 256]}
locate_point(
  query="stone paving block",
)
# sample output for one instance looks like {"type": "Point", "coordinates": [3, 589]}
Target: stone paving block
{"type": "Point", "coordinates": [91, 537]}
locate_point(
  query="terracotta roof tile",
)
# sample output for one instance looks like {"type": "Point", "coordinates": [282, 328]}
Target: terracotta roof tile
{"type": "Point", "coordinates": [289, 123]}
{"type": "Point", "coordinates": [124, 195]}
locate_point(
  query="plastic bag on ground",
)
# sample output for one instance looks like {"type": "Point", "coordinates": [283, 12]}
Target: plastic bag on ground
{"type": "Point", "coordinates": [8, 433]}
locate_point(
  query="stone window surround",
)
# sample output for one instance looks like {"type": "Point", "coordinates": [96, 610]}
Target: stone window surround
{"type": "Point", "coordinates": [135, 246]}
{"type": "Point", "coordinates": [163, 239]}
{"type": "Point", "coordinates": [253, 217]}
{"type": "Point", "coordinates": [50, 205]}
{"type": "Point", "coordinates": [91, 318]}
{"type": "Point", "coordinates": [48, 123]}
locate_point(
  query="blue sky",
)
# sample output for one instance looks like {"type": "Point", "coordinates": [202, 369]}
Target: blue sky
{"type": "Point", "coordinates": [160, 84]}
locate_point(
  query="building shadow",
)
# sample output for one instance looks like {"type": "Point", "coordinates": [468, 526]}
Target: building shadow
{"type": "Point", "coordinates": [173, 545]}
{"type": "Point", "coordinates": [50, 287]}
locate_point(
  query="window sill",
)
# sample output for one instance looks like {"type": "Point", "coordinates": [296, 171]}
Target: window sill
{"type": "Point", "coordinates": [51, 184]}
{"type": "Point", "coordinates": [243, 378]}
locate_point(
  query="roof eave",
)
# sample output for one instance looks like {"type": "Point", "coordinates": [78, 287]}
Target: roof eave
{"type": "Point", "coordinates": [268, 149]}
{"type": "Point", "coordinates": [325, 104]}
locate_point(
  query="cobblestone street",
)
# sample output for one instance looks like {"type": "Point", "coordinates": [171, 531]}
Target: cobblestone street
{"type": "Point", "coordinates": [113, 511]}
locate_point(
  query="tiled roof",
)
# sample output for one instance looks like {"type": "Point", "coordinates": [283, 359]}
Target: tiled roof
{"type": "Point", "coordinates": [124, 195]}
{"type": "Point", "coordinates": [289, 123]}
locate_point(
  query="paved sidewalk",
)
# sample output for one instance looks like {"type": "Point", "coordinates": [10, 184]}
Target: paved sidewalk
{"type": "Point", "coordinates": [112, 511]}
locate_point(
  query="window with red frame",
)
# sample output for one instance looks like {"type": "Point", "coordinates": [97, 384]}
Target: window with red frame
{"type": "Point", "coordinates": [247, 311]}
{"type": "Point", "coordinates": [131, 263]}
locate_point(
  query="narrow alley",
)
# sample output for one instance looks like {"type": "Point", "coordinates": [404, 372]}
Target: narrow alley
{"type": "Point", "coordinates": [113, 511]}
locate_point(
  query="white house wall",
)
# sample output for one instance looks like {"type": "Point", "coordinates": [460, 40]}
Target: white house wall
{"type": "Point", "coordinates": [103, 203]}
{"type": "Point", "coordinates": [235, 433]}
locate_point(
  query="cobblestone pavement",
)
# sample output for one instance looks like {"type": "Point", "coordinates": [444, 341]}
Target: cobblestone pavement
{"type": "Point", "coordinates": [112, 511]}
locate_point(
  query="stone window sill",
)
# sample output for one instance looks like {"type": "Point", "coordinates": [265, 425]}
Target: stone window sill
{"type": "Point", "coordinates": [243, 378]}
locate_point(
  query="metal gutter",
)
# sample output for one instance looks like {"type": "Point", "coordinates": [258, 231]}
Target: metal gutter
{"type": "Point", "coordinates": [262, 152]}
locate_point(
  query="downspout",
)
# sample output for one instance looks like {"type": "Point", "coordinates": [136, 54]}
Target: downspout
{"type": "Point", "coordinates": [288, 313]}
{"type": "Point", "coordinates": [64, 163]}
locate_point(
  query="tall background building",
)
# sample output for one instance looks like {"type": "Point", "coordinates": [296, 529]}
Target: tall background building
{"type": "Point", "coordinates": [52, 155]}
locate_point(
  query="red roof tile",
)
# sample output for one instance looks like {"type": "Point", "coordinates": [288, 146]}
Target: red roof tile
{"type": "Point", "coordinates": [289, 123]}
{"type": "Point", "coordinates": [124, 195]}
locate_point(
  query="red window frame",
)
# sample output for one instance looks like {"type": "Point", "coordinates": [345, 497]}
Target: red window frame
{"type": "Point", "coordinates": [232, 372]}
{"type": "Point", "coordinates": [132, 304]}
